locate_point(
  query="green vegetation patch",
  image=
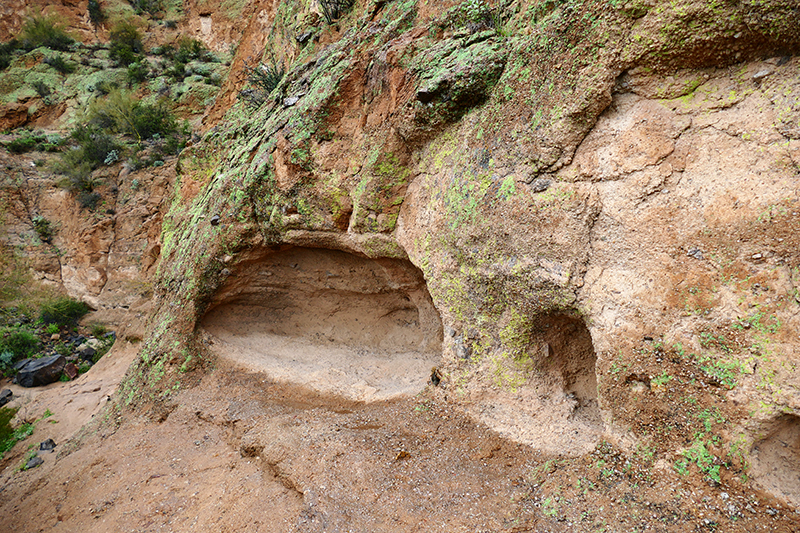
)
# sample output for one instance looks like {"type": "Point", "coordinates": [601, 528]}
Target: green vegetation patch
{"type": "Point", "coordinates": [8, 435]}
{"type": "Point", "coordinates": [44, 31]}
{"type": "Point", "coordinates": [63, 311]}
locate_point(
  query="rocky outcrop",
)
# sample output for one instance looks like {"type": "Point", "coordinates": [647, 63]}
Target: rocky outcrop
{"type": "Point", "coordinates": [590, 192]}
{"type": "Point", "coordinates": [598, 197]}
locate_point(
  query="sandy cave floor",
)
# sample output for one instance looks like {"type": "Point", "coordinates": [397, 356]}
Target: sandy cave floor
{"type": "Point", "coordinates": [243, 452]}
{"type": "Point", "coordinates": [354, 373]}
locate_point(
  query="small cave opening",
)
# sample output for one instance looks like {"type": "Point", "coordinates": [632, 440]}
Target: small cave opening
{"type": "Point", "coordinates": [775, 458]}
{"type": "Point", "coordinates": [557, 409]}
{"type": "Point", "coordinates": [336, 322]}
{"type": "Point", "coordinates": [569, 355]}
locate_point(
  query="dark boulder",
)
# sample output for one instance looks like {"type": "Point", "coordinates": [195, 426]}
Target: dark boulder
{"type": "Point", "coordinates": [42, 371]}
{"type": "Point", "coordinates": [34, 462]}
{"type": "Point", "coordinates": [48, 445]}
{"type": "Point", "coordinates": [5, 396]}
{"type": "Point", "coordinates": [87, 354]}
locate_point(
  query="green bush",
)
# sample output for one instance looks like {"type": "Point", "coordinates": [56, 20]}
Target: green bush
{"type": "Point", "coordinates": [191, 50]}
{"type": "Point", "coordinates": [93, 147]}
{"type": "Point", "coordinates": [21, 342]}
{"type": "Point", "coordinates": [177, 71]}
{"type": "Point", "coordinates": [121, 112]}
{"type": "Point", "coordinates": [20, 145]}
{"type": "Point", "coordinates": [152, 7]}
{"type": "Point", "coordinates": [29, 141]}
{"type": "Point", "coordinates": [43, 228]}
{"type": "Point", "coordinates": [9, 436]}
{"type": "Point", "coordinates": [150, 120]}
{"type": "Point", "coordinates": [137, 72]}
{"type": "Point", "coordinates": [44, 31]}
{"type": "Point", "coordinates": [63, 311]}
{"type": "Point", "coordinates": [105, 87]}
{"type": "Point", "coordinates": [7, 53]}
{"type": "Point", "coordinates": [96, 14]}
{"type": "Point", "coordinates": [58, 63]}
{"type": "Point", "coordinates": [41, 88]}
{"type": "Point", "coordinates": [88, 199]}
{"type": "Point", "coordinates": [126, 44]}
{"type": "Point", "coordinates": [332, 10]}
{"type": "Point", "coordinates": [263, 79]}
{"type": "Point", "coordinates": [6, 362]}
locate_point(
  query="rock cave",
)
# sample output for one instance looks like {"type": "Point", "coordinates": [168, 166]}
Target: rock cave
{"type": "Point", "coordinates": [333, 321]}
{"type": "Point", "coordinates": [776, 458]}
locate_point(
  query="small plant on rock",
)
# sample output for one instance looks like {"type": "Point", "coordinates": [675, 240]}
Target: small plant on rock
{"type": "Point", "coordinates": [126, 44]}
{"type": "Point", "coordinates": [332, 10]}
{"type": "Point", "coordinates": [263, 79]}
{"type": "Point", "coordinates": [57, 62]}
{"type": "Point", "coordinates": [41, 88]}
{"type": "Point", "coordinates": [43, 228]}
{"type": "Point", "coordinates": [44, 31]}
{"type": "Point", "coordinates": [96, 14]}
{"type": "Point", "coordinates": [137, 72]}
{"type": "Point", "coordinates": [7, 53]}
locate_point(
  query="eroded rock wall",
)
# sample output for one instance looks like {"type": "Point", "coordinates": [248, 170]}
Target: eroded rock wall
{"type": "Point", "coordinates": [601, 198]}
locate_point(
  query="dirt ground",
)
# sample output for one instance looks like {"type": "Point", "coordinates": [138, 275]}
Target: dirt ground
{"type": "Point", "coordinates": [241, 452]}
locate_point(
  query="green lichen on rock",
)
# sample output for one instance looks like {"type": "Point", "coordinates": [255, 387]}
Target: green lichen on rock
{"type": "Point", "coordinates": [469, 117]}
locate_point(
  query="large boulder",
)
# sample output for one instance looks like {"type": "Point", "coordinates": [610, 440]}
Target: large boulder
{"type": "Point", "coordinates": [36, 372]}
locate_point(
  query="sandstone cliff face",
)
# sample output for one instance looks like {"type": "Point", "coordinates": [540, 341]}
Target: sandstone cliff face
{"type": "Point", "coordinates": [587, 212]}
{"type": "Point", "coordinates": [602, 201]}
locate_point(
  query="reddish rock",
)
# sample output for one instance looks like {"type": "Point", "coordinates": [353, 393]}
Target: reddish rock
{"type": "Point", "coordinates": [71, 370]}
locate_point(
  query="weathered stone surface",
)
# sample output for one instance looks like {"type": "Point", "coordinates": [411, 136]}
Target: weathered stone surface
{"type": "Point", "coordinates": [37, 372]}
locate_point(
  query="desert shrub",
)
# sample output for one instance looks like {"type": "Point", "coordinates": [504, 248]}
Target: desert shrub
{"type": "Point", "coordinates": [91, 149]}
{"type": "Point", "coordinates": [44, 31]}
{"type": "Point", "coordinates": [7, 53]}
{"type": "Point", "coordinates": [24, 143]}
{"type": "Point", "coordinates": [121, 112]}
{"type": "Point", "coordinates": [263, 79]}
{"type": "Point", "coordinates": [332, 10]}
{"type": "Point", "coordinates": [52, 143]}
{"type": "Point", "coordinates": [177, 71]}
{"type": "Point", "coordinates": [21, 342]}
{"type": "Point", "coordinates": [190, 50]}
{"type": "Point", "coordinates": [41, 88]}
{"type": "Point", "coordinates": [126, 44]}
{"type": "Point", "coordinates": [152, 7]}
{"type": "Point", "coordinates": [96, 14]}
{"type": "Point", "coordinates": [58, 63]}
{"type": "Point", "coordinates": [137, 72]}
{"type": "Point", "coordinates": [150, 120]}
{"type": "Point", "coordinates": [63, 311]}
{"type": "Point", "coordinates": [30, 140]}
{"type": "Point", "coordinates": [88, 199]}
{"type": "Point", "coordinates": [94, 145]}
{"type": "Point", "coordinates": [43, 228]}
{"type": "Point", "coordinates": [105, 87]}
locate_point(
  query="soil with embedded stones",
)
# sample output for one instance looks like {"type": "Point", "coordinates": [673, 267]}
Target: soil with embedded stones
{"type": "Point", "coordinates": [240, 452]}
